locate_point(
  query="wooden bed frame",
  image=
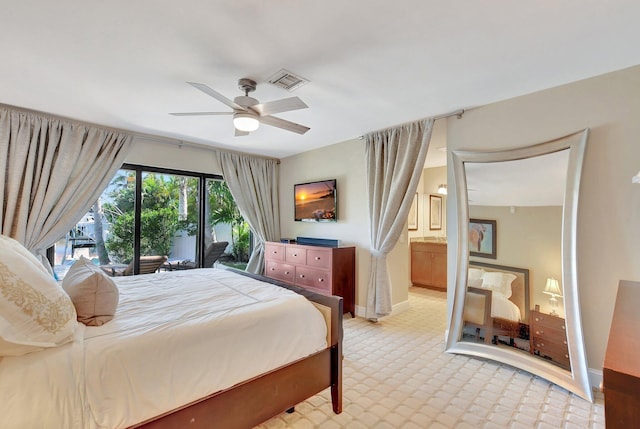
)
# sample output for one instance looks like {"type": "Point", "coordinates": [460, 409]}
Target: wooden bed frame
{"type": "Point", "coordinates": [519, 296]}
{"type": "Point", "coordinates": [254, 401]}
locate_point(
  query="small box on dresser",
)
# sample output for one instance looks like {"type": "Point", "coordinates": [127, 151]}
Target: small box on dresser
{"type": "Point", "coordinates": [548, 336]}
{"type": "Point", "coordinates": [328, 270]}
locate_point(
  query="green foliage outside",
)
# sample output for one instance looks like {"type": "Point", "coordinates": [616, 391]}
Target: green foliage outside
{"type": "Point", "coordinates": [161, 218]}
{"type": "Point", "coordinates": [223, 209]}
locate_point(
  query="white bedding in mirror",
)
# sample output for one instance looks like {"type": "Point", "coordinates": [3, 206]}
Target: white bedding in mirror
{"type": "Point", "coordinates": [503, 308]}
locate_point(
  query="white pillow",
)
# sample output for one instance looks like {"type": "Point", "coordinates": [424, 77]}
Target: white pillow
{"type": "Point", "coordinates": [475, 277]}
{"type": "Point", "coordinates": [35, 312]}
{"type": "Point", "coordinates": [93, 293]}
{"type": "Point", "coordinates": [499, 283]}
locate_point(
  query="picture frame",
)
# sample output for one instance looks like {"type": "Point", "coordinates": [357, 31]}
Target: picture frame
{"type": "Point", "coordinates": [413, 214]}
{"type": "Point", "coordinates": [435, 212]}
{"type": "Point", "coordinates": [482, 238]}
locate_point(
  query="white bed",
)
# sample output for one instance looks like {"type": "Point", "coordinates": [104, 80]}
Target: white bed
{"type": "Point", "coordinates": [497, 300]}
{"type": "Point", "coordinates": [176, 337]}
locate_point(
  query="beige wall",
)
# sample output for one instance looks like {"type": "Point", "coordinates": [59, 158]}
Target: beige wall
{"type": "Point", "coordinates": [530, 237]}
{"type": "Point", "coordinates": [346, 163]}
{"type": "Point", "coordinates": [609, 206]}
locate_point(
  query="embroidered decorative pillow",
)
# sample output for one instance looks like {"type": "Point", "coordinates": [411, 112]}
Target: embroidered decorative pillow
{"type": "Point", "coordinates": [93, 293]}
{"type": "Point", "coordinates": [35, 312]}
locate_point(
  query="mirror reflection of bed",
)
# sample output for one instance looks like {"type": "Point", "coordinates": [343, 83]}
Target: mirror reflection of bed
{"type": "Point", "coordinates": [496, 309]}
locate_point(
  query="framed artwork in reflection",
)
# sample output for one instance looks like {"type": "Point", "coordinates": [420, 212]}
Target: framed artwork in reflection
{"type": "Point", "coordinates": [482, 238]}
{"type": "Point", "coordinates": [435, 212]}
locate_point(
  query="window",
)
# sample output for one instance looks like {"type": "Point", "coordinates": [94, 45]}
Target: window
{"type": "Point", "coordinates": [180, 213]}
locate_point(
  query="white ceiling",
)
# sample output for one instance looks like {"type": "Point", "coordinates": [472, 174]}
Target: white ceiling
{"type": "Point", "coordinates": [371, 63]}
{"type": "Point", "coordinates": [537, 181]}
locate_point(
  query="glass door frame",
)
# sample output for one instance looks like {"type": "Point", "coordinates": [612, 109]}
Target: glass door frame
{"type": "Point", "coordinates": [139, 170]}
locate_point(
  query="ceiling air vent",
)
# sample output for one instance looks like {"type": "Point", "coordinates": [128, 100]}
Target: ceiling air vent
{"type": "Point", "coordinates": [287, 80]}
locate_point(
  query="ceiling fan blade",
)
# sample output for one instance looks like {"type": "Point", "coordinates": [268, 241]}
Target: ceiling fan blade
{"type": "Point", "coordinates": [215, 94]}
{"type": "Point", "coordinates": [200, 113]}
{"type": "Point", "coordinates": [279, 106]}
{"type": "Point", "coordinates": [241, 133]}
{"type": "Point", "coordinates": [285, 125]}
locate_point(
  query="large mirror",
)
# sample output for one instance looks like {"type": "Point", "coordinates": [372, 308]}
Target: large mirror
{"type": "Point", "coordinates": [516, 294]}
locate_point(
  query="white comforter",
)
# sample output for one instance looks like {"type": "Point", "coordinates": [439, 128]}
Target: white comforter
{"type": "Point", "coordinates": [176, 337]}
{"type": "Point", "coordinates": [503, 308]}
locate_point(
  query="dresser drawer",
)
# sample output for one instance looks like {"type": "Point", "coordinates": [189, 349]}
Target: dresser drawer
{"type": "Point", "coordinates": [317, 279]}
{"type": "Point", "coordinates": [550, 349]}
{"type": "Point", "coordinates": [549, 321]}
{"type": "Point", "coordinates": [319, 258]}
{"type": "Point", "coordinates": [273, 252]}
{"type": "Point", "coordinates": [280, 271]}
{"type": "Point", "coordinates": [557, 353]}
{"type": "Point", "coordinates": [556, 336]}
{"type": "Point", "coordinates": [296, 255]}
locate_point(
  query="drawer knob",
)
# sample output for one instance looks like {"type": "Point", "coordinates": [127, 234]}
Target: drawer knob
{"type": "Point", "coordinates": [540, 332]}
{"type": "Point", "coordinates": [273, 269]}
{"type": "Point", "coordinates": [320, 280]}
{"type": "Point", "coordinates": [295, 254]}
{"type": "Point", "coordinates": [567, 356]}
{"type": "Point", "coordinates": [563, 328]}
{"type": "Point", "coordinates": [565, 342]}
{"type": "Point", "coordinates": [286, 272]}
{"type": "Point", "coordinates": [317, 258]}
{"type": "Point", "coordinates": [275, 252]}
{"type": "Point", "coordinates": [301, 276]}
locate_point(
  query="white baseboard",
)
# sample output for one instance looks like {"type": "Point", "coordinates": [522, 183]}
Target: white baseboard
{"type": "Point", "coordinates": [595, 379]}
{"type": "Point", "coordinates": [397, 308]}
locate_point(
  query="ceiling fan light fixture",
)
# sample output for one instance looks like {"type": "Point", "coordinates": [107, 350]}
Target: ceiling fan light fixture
{"type": "Point", "coordinates": [245, 121]}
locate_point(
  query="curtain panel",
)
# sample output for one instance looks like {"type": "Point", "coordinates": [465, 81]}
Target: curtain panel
{"type": "Point", "coordinates": [394, 162]}
{"type": "Point", "coordinates": [253, 183]}
{"type": "Point", "coordinates": [51, 172]}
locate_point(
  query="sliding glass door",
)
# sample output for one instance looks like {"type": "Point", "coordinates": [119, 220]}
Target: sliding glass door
{"type": "Point", "coordinates": [157, 212]}
{"type": "Point", "coordinates": [170, 216]}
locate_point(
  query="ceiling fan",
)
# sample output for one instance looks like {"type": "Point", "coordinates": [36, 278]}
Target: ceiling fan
{"type": "Point", "coordinates": [248, 113]}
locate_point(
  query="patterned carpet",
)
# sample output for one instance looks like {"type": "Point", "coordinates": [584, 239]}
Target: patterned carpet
{"type": "Point", "coordinates": [396, 375]}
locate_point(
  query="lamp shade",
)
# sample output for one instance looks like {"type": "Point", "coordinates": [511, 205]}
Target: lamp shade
{"type": "Point", "coordinates": [442, 189]}
{"type": "Point", "coordinates": [245, 121]}
{"type": "Point", "coordinates": [552, 287]}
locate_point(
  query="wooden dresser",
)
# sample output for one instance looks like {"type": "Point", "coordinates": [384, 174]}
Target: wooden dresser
{"type": "Point", "coordinates": [548, 336]}
{"type": "Point", "coordinates": [429, 264]}
{"type": "Point", "coordinates": [621, 371]}
{"type": "Point", "coordinates": [328, 270]}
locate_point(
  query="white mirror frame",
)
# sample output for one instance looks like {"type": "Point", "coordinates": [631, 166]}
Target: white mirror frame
{"type": "Point", "coordinates": [576, 380]}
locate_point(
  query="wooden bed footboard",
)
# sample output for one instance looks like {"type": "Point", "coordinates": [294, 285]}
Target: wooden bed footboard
{"type": "Point", "coordinates": [255, 401]}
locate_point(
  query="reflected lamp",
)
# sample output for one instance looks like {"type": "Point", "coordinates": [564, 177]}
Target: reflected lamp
{"type": "Point", "coordinates": [553, 288]}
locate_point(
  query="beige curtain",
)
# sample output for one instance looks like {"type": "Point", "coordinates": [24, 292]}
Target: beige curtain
{"type": "Point", "coordinates": [253, 182]}
{"type": "Point", "coordinates": [51, 172]}
{"type": "Point", "coordinates": [394, 161]}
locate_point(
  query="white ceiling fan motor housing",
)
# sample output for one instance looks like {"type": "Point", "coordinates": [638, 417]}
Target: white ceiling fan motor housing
{"type": "Point", "coordinates": [245, 101]}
